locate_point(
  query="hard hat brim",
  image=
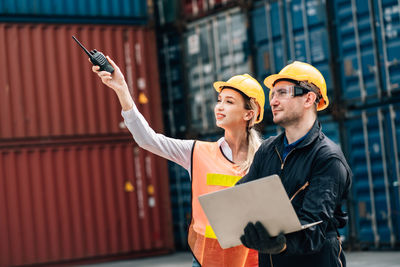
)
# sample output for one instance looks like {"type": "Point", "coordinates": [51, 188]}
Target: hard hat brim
{"type": "Point", "coordinates": [218, 85]}
{"type": "Point", "coordinates": [270, 80]}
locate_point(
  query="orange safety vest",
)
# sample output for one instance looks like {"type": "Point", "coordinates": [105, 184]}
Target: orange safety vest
{"type": "Point", "coordinates": [211, 171]}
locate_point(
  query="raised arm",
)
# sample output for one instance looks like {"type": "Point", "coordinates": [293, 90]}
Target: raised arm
{"type": "Point", "coordinates": [176, 150]}
{"type": "Point", "coordinates": [116, 81]}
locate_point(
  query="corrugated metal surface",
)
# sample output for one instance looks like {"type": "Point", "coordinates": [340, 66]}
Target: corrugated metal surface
{"type": "Point", "coordinates": [375, 188]}
{"type": "Point", "coordinates": [387, 18]}
{"type": "Point", "coordinates": [181, 200]}
{"type": "Point", "coordinates": [196, 8]}
{"type": "Point", "coordinates": [74, 201]}
{"type": "Point", "coordinates": [357, 50]}
{"type": "Point", "coordinates": [284, 31]}
{"type": "Point", "coordinates": [168, 11]}
{"type": "Point", "coordinates": [368, 47]}
{"type": "Point", "coordinates": [48, 88]}
{"type": "Point", "coordinates": [172, 83]}
{"type": "Point", "coordinates": [129, 9]}
{"type": "Point", "coordinates": [393, 119]}
{"type": "Point", "coordinates": [216, 49]}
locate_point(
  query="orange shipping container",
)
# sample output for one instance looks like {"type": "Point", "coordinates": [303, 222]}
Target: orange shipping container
{"type": "Point", "coordinates": [47, 88]}
{"type": "Point", "coordinates": [82, 200]}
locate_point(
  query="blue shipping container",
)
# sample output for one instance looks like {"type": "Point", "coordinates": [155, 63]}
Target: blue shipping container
{"type": "Point", "coordinates": [42, 10]}
{"type": "Point", "coordinates": [285, 31]}
{"type": "Point", "coordinates": [368, 48]}
{"type": "Point", "coordinates": [388, 28]}
{"type": "Point", "coordinates": [392, 118]}
{"type": "Point", "coordinates": [172, 83]}
{"type": "Point", "coordinates": [168, 11]}
{"type": "Point", "coordinates": [372, 146]}
{"type": "Point", "coordinates": [181, 199]}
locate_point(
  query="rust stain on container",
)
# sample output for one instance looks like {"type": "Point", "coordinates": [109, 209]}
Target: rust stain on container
{"type": "Point", "coordinates": [47, 88]}
{"type": "Point", "coordinates": [64, 202]}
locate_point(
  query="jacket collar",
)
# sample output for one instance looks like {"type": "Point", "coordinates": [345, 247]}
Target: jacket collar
{"type": "Point", "coordinates": [314, 133]}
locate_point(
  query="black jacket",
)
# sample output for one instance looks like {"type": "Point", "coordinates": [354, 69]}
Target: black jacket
{"type": "Point", "coordinates": [321, 163]}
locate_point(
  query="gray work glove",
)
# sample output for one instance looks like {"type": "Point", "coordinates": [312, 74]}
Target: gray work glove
{"type": "Point", "coordinates": [257, 237]}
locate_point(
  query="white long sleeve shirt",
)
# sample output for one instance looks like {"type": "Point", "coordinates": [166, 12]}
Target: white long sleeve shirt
{"type": "Point", "coordinates": [176, 150]}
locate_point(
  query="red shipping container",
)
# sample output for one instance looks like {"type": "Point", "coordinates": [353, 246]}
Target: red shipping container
{"type": "Point", "coordinates": [196, 8]}
{"type": "Point", "coordinates": [47, 88]}
{"type": "Point", "coordinates": [88, 199]}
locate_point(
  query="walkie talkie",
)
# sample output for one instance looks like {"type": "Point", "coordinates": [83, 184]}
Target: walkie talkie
{"type": "Point", "coordinates": [97, 58]}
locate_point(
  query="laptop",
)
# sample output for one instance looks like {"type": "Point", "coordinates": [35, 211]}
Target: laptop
{"type": "Point", "coordinates": [230, 210]}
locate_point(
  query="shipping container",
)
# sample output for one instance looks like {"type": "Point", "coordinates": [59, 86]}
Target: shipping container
{"type": "Point", "coordinates": [82, 200]}
{"type": "Point", "coordinates": [168, 11]}
{"type": "Point", "coordinates": [77, 11]}
{"type": "Point", "coordinates": [393, 119]}
{"type": "Point", "coordinates": [172, 83]}
{"type": "Point", "coordinates": [196, 8]}
{"type": "Point", "coordinates": [368, 49]}
{"type": "Point", "coordinates": [47, 87]}
{"type": "Point", "coordinates": [216, 48]}
{"type": "Point", "coordinates": [285, 31]}
{"type": "Point", "coordinates": [388, 31]}
{"type": "Point", "coordinates": [372, 149]}
{"type": "Point", "coordinates": [181, 200]}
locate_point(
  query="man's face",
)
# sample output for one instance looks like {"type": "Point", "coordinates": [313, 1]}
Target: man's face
{"type": "Point", "coordinates": [286, 109]}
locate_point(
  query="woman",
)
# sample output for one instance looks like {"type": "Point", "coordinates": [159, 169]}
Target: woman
{"type": "Point", "coordinates": [212, 165]}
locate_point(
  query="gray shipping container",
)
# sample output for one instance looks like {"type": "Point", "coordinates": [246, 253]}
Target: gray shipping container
{"type": "Point", "coordinates": [216, 49]}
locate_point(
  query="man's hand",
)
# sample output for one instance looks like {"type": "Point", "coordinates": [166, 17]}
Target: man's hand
{"type": "Point", "coordinates": [257, 237]}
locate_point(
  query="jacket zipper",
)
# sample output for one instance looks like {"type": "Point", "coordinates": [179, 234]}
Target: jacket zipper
{"type": "Point", "coordinates": [283, 161]}
{"type": "Point", "coordinates": [300, 189]}
{"type": "Point", "coordinates": [340, 251]}
{"type": "Point", "coordinates": [295, 194]}
{"type": "Point", "coordinates": [270, 258]}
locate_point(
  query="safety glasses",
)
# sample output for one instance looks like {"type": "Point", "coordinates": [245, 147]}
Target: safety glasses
{"type": "Point", "coordinates": [287, 91]}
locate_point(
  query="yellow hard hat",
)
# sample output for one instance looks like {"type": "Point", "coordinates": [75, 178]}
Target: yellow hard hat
{"type": "Point", "coordinates": [300, 71]}
{"type": "Point", "coordinates": [248, 86]}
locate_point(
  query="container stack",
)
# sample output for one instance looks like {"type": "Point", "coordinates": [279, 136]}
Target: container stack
{"type": "Point", "coordinates": [216, 49]}
{"type": "Point", "coordinates": [73, 184]}
{"type": "Point", "coordinates": [286, 31]}
{"type": "Point", "coordinates": [368, 53]}
{"type": "Point", "coordinates": [354, 45]}
{"type": "Point", "coordinates": [199, 42]}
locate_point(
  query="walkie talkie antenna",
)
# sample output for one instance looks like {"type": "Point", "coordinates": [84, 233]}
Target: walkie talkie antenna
{"type": "Point", "coordinates": [97, 58]}
{"type": "Point", "coordinates": [81, 45]}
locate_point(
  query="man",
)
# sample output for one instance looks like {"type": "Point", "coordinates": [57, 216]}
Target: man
{"type": "Point", "coordinates": [313, 171]}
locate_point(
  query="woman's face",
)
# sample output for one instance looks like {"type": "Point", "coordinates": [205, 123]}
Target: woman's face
{"type": "Point", "coordinates": [229, 110]}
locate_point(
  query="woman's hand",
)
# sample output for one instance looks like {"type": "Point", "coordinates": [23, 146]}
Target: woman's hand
{"type": "Point", "coordinates": [115, 80]}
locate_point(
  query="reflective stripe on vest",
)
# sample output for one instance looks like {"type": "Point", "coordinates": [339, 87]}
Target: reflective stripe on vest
{"type": "Point", "coordinates": [211, 171]}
